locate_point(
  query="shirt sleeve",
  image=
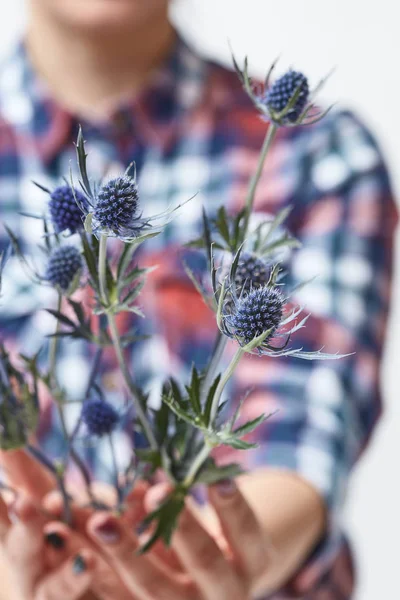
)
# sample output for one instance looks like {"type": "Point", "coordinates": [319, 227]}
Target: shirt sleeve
{"type": "Point", "coordinates": [324, 412]}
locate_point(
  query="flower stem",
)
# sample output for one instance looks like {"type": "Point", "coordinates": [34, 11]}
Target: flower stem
{"type": "Point", "coordinates": [269, 136]}
{"type": "Point", "coordinates": [205, 451]}
{"type": "Point", "coordinates": [213, 365]}
{"type": "Point", "coordinates": [222, 340]}
{"type": "Point", "coordinates": [54, 346]}
{"type": "Point", "coordinates": [116, 340]}
{"type": "Point", "coordinates": [116, 473]}
{"type": "Point", "coordinates": [115, 336]}
{"type": "Point", "coordinates": [196, 465]}
{"type": "Point", "coordinates": [224, 380]}
{"type": "Point", "coordinates": [57, 394]}
{"type": "Point", "coordinates": [102, 268]}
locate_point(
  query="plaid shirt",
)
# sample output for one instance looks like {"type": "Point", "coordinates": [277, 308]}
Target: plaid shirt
{"type": "Point", "coordinates": [192, 129]}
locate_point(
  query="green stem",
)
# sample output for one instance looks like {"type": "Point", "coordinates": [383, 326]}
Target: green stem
{"type": "Point", "coordinates": [53, 346]}
{"type": "Point", "coordinates": [269, 136]}
{"type": "Point", "coordinates": [102, 269]}
{"type": "Point", "coordinates": [202, 456]}
{"type": "Point", "coordinates": [224, 380]}
{"type": "Point", "coordinates": [212, 368]}
{"type": "Point", "coordinates": [221, 340]}
{"type": "Point", "coordinates": [115, 336]}
{"type": "Point", "coordinates": [196, 465]}
{"type": "Point", "coordinates": [116, 472]}
{"type": "Point", "coordinates": [116, 340]}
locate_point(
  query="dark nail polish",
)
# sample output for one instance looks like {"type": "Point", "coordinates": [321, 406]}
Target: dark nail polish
{"type": "Point", "coordinates": [55, 540]}
{"type": "Point", "coordinates": [226, 487]}
{"type": "Point", "coordinates": [108, 532]}
{"type": "Point", "coordinates": [79, 565]}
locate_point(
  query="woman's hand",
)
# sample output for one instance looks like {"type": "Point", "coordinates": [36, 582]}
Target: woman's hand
{"type": "Point", "coordinates": [39, 572]}
{"type": "Point", "coordinates": [210, 572]}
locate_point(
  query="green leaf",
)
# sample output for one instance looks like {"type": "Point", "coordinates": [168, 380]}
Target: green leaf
{"type": "Point", "coordinates": [90, 259]}
{"type": "Point", "coordinates": [161, 421]}
{"type": "Point", "coordinates": [250, 425]}
{"type": "Point", "coordinates": [237, 443]}
{"type": "Point", "coordinates": [61, 317]}
{"type": "Point", "coordinates": [166, 518]}
{"type": "Point", "coordinates": [211, 473]}
{"type": "Point", "coordinates": [133, 294]}
{"type": "Point", "coordinates": [209, 401]}
{"type": "Point", "coordinates": [152, 457]}
{"type": "Point", "coordinates": [81, 155]}
{"type": "Point", "coordinates": [207, 237]}
{"type": "Point", "coordinates": [193, 391]}
{"type": "Point", "coordinates": [221, 223]}
{"type": "Point", "coordinates": [176, 392]}
{"type": "Point", "coordinates": [88, 223]}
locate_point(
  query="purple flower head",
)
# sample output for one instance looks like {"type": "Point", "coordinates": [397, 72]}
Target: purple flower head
{"type": "Point", "coordinates": [282, 92]}
{"type": "Point", "coordinates": [251, 273]}
{"type": "Point", "coordinates": [259, 311]}
{"type": "Point", "coordinates": [64, 264]}
{"type": "Point", "coordinates": [100, 417]}
{"type": "Point", "coordinates": [65, 209]}
{"type": "Point", "coordinates": [117, 206]}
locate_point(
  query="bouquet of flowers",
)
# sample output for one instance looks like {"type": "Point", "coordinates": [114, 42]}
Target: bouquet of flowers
{"type": "Point", "coordinates": [245, 291]}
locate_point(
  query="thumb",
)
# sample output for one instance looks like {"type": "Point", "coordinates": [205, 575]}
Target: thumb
{"type": "Point", "coordinates": [25, 473]}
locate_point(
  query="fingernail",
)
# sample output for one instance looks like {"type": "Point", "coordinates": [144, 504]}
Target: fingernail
{"type": "Point", "coordinates": [79, 565]}
{"type": "Point", "coordinates": [55, 540]}
{"type": "Point", "coordinates": [226, 487]}
{"type": "Point", "coordinates": [107, 531]}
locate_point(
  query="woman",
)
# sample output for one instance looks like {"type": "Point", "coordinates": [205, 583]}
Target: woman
{"type": "Point", "coordinates": [118, 67]}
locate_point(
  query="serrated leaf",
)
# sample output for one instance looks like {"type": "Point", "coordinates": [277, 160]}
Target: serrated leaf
{"type": "Point", "coordinates": [250, 425]}
{"type": "Point", "coordinates": [81, 156]}
{"type": "Point", "coordinates": [207, 238]}
{"type": "Point", "coordinates": [221, 223]}
{"type": "Point", "coordinates": [61, 317]}
{"type": "Point", "coordinates": [237, 443]}
{"type": "Point", "coordinates": [194, 391]}
{"type": "Point", "coordinates": [90, 259]}
{"type": "Point", "coordinates": [209, 401]}
{"type": "Point", "coordinates": [165, 517]}
{"type": "Point", "coordinates": [211, 473]}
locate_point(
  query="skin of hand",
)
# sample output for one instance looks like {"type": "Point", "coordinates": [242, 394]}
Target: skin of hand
{"type": "Point", "coordinates": [38, 572]}
{"type": "Point", "coordinates": [257, 534]}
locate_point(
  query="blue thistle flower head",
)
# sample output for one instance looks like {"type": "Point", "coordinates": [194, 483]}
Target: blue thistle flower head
{"type": "Point", "coordinates": [64, 264]}
{"type": "Point", "coordinates": [281, 93]}
{"type": "Point", "coordinates": [117, 207]}
{"type": "Point", "coordinates": [100, 417]}
{"type": "Point", "coordinates": [287, 101]}
{"type": "Point", "coordinates": [65, 209]}
{"type": "Point", "coordinates": [259, 311]}
{"type": "Point", "coordinates": [251, 273]}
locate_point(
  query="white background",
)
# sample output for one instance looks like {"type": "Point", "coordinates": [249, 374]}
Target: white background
{"type": "Point", "coordinates": [361, 39]}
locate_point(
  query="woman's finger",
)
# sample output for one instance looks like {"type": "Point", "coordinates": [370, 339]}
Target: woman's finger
{"type": "Point", "coordinates": [26, 473]}
{"type": "Point", "coordinates": [70, 580]}
{"type": "Point", "coordinates": [204, 561]}
{"type": "Point", "coordinates": [241, 528]}
{"type": "Point", "coordinates": [4, 520]}
{"type": "Point", "coordinates": [24, 543]}
{"type": "Point", "coordinates": [143, 575]}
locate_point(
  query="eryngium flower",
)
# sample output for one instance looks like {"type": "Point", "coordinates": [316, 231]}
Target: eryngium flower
{"type": "Point", "coordinates": [251, 273]}
{"type": "Point", "coordinates": [286, 102]}
{"type": "Point", "coordinates": [282, 91]}
{"type": "Point", "coordinates": [117, 206]}
{"type": "Point", "coordinates": [100, 417]}
{"type": "Point", "coordinates": [65, 212]}
{"type": "Point", "coordinates": [64, 264]}
{"type": "Point", "coordinates": [259, 311]}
